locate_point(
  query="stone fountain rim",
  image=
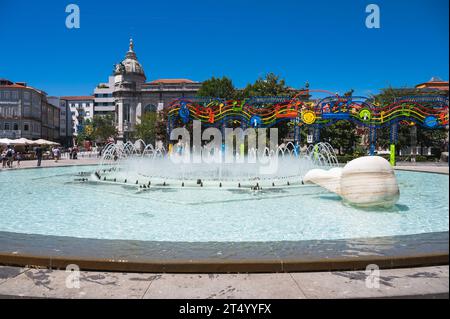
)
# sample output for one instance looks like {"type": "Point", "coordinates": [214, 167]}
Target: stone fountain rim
{"type": "Point", "coordinates": [405, 254]}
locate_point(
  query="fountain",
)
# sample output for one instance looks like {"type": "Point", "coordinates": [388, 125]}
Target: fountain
{"type": "Point", "coordinates": [146, 165]}
{"type": "Point", "coordinates": [365, 182]}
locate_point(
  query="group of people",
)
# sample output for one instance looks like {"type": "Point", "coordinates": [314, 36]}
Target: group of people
{"type": "Point", "coordinates": [8, 156]}
{"type": "Point", "coordinates": [73, 152]}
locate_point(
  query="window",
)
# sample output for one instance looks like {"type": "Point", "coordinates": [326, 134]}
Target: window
{"type": "Point", "coordinates": [26, 127]}
{"type": "Point", "coordinates": [126, 110]}
{"type": "Point", "coordinates": [7, 127]}
{"type": "Point", "coordinates": [15, 127]}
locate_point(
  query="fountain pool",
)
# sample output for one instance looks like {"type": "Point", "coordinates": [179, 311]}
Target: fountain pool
{"type": "Point", "coordinates": [55, 202]}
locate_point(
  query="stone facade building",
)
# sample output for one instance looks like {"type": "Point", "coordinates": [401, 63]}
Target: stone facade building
{"type": "Point", "coordinates": [133, 95]}
{"type": "Point", "coordinates": [26, 113]}
{"type": "Point", "coordinates": [65, 120]}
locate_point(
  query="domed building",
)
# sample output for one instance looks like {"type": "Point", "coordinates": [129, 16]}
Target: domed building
{"type": "Point", "coordinates": [130, 65]}
{"type": "Point", "coordinates": [133, 95]}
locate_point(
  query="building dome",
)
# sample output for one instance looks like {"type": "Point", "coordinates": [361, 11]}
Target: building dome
{"type": "Point", "coordinates": [130, 65]}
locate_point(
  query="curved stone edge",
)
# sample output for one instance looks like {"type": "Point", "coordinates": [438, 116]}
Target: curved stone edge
{"type": "Point", "coordinates": [429, 170]}
{"type": "Point", "coordinates": [228, 266]}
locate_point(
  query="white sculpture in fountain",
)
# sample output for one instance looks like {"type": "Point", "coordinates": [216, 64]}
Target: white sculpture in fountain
{"type": "Point", "coordinates": [366, 181]}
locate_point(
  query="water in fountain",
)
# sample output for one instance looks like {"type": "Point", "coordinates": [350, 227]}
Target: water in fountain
{"type": "Point", "coordinates": [145, 165]}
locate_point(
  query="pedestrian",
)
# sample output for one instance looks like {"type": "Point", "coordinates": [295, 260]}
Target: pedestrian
{"type": "Point", "coordinates": [10, 156]}
{"type": "Point", "coordinates": [56, 153]}
{"type": "Point", "coordinates": [75, 153]}
{"type": "Point", "coordinates": [3, 158]}
{"type": "Point", "coordinates": [38, 151]}
{"type": "Point", "coordinates": [18, 158]}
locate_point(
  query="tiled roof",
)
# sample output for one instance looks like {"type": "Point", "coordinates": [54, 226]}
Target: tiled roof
{"type": "Point", "coordinates": [15, 86]}
{"type": "Point", "coordinates": [77, 98]}
{"type": "Point", "coordinates": [22, 86]}
{"type": "Point", "coordinates": [171, 81]}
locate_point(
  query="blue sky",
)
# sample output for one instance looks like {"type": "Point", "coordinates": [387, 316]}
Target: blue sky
{"type": "Point", "coordinates": [323, 42]}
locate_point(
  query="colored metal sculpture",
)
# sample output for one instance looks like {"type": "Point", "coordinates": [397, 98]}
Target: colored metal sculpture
{"type": "Point", "coordinates": [429, 111]}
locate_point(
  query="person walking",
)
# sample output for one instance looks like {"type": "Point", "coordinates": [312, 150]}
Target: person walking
{"type": "Point", "coordinates": [10, 156]}
{"type": "Point", "coordinates": [75, 153]}
{"type": "Point", "coordinates": [3, 158]}
{"type": "Point", "coordinates": [56, 153]}
{"type": "Point", "coordinates": [18, 158]}
{"type": "Point", "coordinates": [38, 151]}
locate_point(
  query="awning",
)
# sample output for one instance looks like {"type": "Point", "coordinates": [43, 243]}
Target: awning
{"type": "Point", "coordinates": [25, 141]}
{"type": "Point", "coordinates": [44, 142]}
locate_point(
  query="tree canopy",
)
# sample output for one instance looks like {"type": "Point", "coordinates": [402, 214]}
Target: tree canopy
{"type": "Point", "coordinates": [146, 129]}
{"type": "Point", "coordinates": [424, 137]}
{"type": "Point", "coordinates": [99, 129]}
{"type": "Point", "coordinates": [270, 85]}
{"type": "Point", "coordinates": [218, 87]}
{"type": "Point", "coordinates": [103, 127]}
{"type": "Point", "coordinates": [341, 135]}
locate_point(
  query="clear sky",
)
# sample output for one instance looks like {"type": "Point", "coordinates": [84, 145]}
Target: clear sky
{"type": "Point", "coordinates": [323, 42]}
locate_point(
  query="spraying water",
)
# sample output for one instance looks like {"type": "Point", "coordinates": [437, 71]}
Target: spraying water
{"type": "Point", "coordinates": [147, 166]}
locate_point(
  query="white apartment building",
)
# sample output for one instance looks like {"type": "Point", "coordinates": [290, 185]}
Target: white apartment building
{"type": "Point", "coordinates": [81, 109]}
{"type": "Point", "coordinates": [104, 102]}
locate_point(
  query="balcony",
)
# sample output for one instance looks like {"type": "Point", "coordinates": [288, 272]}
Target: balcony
{"type": "Point", "coordinates": [10, 134]}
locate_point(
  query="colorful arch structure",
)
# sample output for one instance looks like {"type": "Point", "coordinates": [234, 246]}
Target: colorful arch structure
{"type": "Point", "coordinates": [429, 111]}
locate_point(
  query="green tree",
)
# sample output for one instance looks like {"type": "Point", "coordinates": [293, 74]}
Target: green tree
{"type": "Point", "coordinates": [341, 135]}
{"type": "Point", "coordinates": [103, 127]}
{"type": "Point", "coordinates": [86, 134]}
{"type": "Point", "coordinates": [425, 137]}
{"type": "Point", "coordinates": [270, 85]}
{"type": "Point", "coordinates": [146, 129]}
{"type": "Point", "coordinates": [161, 126]}
{"type": "Point", "coordinates": [81, 137]}
{"type": "Point", "coordinates": [218, 87]}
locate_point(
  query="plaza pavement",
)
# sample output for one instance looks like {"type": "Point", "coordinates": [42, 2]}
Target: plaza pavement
{"type": "Point", "coordinates": [441, 168]}
{"type": "Point", "coordinates": [52, 163]}
{"type": "Point", "coordinates": [426, 282]}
